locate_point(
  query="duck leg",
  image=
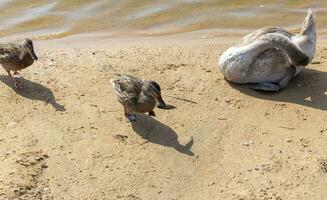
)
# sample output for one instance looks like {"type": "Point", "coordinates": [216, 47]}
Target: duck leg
{"type": "Point", "coordinates": [16, 84]}
{"type": "Point", "coordinates": [272, 87]}
{"type": "Point", "coordinates": [18, 78]}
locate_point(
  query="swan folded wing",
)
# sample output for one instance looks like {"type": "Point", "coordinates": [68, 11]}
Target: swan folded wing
{"type": "Point", "coordinates": [128, 89]}
{"type": "Point", "coordinates": [266, 30]}
{"type": "Point", "coordinates": [234, 63]}
{"type": "Point", "coordinates": [266, 54]}
{"type": "Point", "coordinates": [275, 40]}
{"type": "Point", "coordinates": [237, 63]}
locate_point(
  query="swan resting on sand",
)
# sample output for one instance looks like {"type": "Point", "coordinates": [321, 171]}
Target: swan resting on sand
{"type": "Point", "coordinates": [270, 56]}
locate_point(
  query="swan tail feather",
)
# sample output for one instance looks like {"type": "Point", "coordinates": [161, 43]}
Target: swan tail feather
{"type": "Point", "coordinates": [308, 24]}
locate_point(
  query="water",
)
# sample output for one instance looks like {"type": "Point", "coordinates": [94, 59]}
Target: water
{"type": "Point", "coordinates": [59, 18]}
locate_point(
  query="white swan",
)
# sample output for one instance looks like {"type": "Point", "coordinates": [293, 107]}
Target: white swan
{"type": "Point", "coordinates": [270, 56]}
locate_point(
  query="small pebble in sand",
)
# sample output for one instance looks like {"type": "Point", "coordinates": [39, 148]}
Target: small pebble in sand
{"type": "Point", "coordinates": [11, 124]}
{"type": "Point", "coordinates": [248, 143]}
{"type": "Point", "coordinates": [323, 165]}
{"type": "Point", "coordinates": [304, 142]}
{"type": "Point", "coordinates": [120, 137]}
{"type": "Point", "coordinates": [308, 99]}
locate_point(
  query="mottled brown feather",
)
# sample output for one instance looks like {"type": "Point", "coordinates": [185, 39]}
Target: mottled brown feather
{"type": "Point", "coordinates": [130, 94]}
{"type": "Point", "coordinates": [10, 57]}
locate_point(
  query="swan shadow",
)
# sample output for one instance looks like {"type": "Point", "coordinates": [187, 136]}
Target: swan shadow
{"type": "Point", "coordinates": [159, 133]}
{"type": "Point", "coordinates": [308, 89]}
{"type": "Point", "coordinates": [33, 91]}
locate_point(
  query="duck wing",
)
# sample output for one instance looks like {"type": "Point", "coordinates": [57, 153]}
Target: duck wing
{"type": "Point", "coordinates": [128, 89]}
{"type": "Point", "coordinates": [6, 52]}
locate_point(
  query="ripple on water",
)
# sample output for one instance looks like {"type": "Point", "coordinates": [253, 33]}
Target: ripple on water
{"type": "Point", "coordinates": [176, 25]}
{"type": "Point", "coordinates": [153, 9]}
{"type": "Point", "coordinates": [4, 3]}
{"type": "Point", "coordinates": [86, 10]}
{"type": "Point", "coordinates": [152, 17]}
{"type": "Point", "coordinates": [27, 15]}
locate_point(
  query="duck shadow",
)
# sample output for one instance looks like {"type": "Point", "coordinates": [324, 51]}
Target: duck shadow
{"type": "Point", "coordinates": [33, 91]}
{"type": "Point", "coordinates": [309, 89]}
{"type": "Point", "coordinates": [168, 107]}
{"type": "Point", "coordinates": [159, 133]}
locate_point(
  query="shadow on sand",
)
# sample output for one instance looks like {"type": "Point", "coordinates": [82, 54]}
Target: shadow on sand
{"type": "Point", "coordinates": [159, 133]}
{"type": "Point", "coordinates": [33, 91]}
{"type": "Point", "coordinates": [309, 89]}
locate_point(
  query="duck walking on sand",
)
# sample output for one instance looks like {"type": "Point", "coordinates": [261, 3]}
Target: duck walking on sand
{"type": "Point", "coordinates": [137, 95]}
{"type": "Point", "coordinates": [270, 57]}
{"type": "Point", "coordinates": [17, 56]}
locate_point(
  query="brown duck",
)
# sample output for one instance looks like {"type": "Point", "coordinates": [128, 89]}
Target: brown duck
{"type": "Point", "coordinates": [137, 95]}
{"type": "Point", "coordinates": [17, 56]}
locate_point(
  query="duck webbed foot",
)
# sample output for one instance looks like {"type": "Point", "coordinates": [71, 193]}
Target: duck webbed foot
{"type": "Point", "coordinates": [17, 75]}
{"type": "Point", "coordinates": [131, 117]}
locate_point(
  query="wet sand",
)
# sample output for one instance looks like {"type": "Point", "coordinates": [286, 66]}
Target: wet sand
{"type": "Point", "coordinates": [64, 136]}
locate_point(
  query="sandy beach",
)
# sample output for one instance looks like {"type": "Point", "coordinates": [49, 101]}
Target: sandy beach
{"type": "Point", "coordinates": [64, 136]}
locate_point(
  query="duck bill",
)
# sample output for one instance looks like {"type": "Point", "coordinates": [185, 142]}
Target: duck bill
{"type": "Point", "coordinates": [33, 55]}
{"type": "Point", "coordinates": [161, 103]}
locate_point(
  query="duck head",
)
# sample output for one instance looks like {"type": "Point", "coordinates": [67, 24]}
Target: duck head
{"type": "Point", "coordinates": [154, 90]}
{"type": "Point", "coordinates": [28, 47]}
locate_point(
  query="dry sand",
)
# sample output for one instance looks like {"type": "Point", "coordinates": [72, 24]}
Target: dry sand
{"type": "Point", "coordinates": [64, 136]}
